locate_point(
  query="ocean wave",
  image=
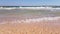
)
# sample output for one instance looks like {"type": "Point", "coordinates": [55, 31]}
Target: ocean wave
{"type": "Point", "coordinates": [33, 7]}
{"type": "Point", "coordinates": [8, 8]}
{"type": "Point", "coordinates": [38, 19]}
{"type": "Point", "coordinates": [33, 20]}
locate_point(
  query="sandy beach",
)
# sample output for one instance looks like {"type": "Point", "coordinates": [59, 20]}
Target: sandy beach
{"type": "Point", "coordinates": [29, 22]}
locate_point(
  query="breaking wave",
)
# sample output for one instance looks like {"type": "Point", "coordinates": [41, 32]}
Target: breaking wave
{"type": "Point", "coordinates": [33, 8]}
{"type": "Point", "coordinates": [8, 8]}
{"type": "Point", "coordinates": [33, 20]}
{"type": "Point", "coordinates": [38, 19]}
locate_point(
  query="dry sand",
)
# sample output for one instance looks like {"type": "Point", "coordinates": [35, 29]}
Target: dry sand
{"type": "Point", "coordinates": [42, 27]}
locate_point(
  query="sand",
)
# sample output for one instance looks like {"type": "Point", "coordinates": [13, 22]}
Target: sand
{"type": "Point", "coordinates": [42, 27]}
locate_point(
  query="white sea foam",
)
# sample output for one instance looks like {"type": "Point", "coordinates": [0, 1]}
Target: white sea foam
{"type": "Point", "coordinates": [38, 8]}
{"type": "Point", "coordinates": [33, 20]}
{"type": "Point", "coordinates": [33, 8]}
{"type": "Point", "coordinates": [39, 19]}
{"type": "Point", "coordinates": [8, 8]}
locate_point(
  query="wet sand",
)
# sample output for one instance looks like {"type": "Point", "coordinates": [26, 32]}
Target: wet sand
{"type": "Point", "coordinates": [43, 27]}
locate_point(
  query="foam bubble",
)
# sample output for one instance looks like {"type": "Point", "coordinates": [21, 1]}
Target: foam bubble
{"type": "Point", "coordinates": [33, 20]}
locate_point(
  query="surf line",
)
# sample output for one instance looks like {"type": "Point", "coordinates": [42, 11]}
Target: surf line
{"type": "Point", "coordinates": [38, 19]}
{"type": "Point", "coordinates": [33, 20]}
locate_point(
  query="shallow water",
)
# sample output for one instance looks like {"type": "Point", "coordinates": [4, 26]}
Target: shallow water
{"type": "Point", "coordinates": [22, 14]}
{"type": "Point", "coordinates": [28, 13]}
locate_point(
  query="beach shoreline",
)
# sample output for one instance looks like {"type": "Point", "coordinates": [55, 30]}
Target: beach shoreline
{"type": "Point", "coordinates": [26, 21]}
